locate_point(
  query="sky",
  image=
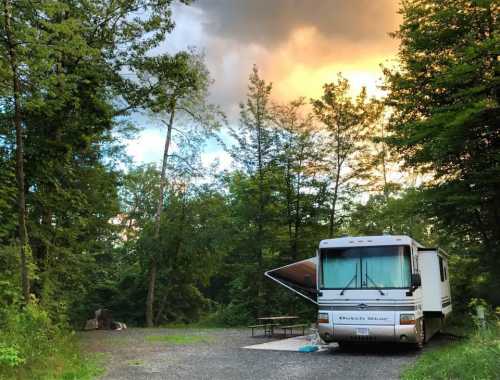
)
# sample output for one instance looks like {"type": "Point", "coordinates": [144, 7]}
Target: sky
{"type": "Point", "coordinates": [298, 45]}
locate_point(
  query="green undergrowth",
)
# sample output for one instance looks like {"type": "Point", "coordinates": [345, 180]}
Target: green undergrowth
{"type": "Point", "coordinates": [474, 358]}
{"type": "Point", "coordinates": [209, 321]}
{"type": "Point", "coordinates": [135, 363]}
{"type": "Point", "coordinates": [32, 347]}
{"type": "Point", "coordinates": [192, 325]}
{"type": "Point", "coordinates": [179, 339]}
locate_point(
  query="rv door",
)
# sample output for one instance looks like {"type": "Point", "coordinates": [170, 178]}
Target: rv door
{"type": "Point", "coordinates": [299, 277]}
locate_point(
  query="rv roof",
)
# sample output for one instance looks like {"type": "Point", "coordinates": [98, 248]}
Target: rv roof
{"type": "Point", "coordinates": [362, 241]}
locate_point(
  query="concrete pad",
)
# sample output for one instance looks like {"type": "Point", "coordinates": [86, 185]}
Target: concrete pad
{"type": "Point", "coordinates": [290, 344]}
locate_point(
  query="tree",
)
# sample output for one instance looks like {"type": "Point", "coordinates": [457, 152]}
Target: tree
{"type": "Point", "coordinates": [377, 164]}
{"type": "Point", "coordinates": [446, 113]}
{"type": "Point", "coordinates": [176, 84]}
{"type": "Point", "coordinates": [255, 146]}
{"type": "Point", "coordinates": [138, 195]}
{"type": "Point", "coordinates": [254, 151]}
{"type": "Point", "coordinates": [193, 235]}
{"type": "Point", "coordinates": [68, 58]}
{"type": "Point", "coordinates": [252, 186]}
{"type": "Point", "coordinates": [345, 121]}
{"type": "Point", "coordinates": [11, 47]}
{"type": "Point", "coordinates": [301, 159]}
{"type": "Point", "coordinates": [7, 198]}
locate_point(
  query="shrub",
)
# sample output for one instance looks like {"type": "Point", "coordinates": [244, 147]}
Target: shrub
{"type": "Point", "coordinates": [474, 358]}
{"type": "Point", "coordinates": [32, 347]}
{"type": "Point", "coordinates": [10, 356]}
{"type": "Point", "coordinates": [230, 315]}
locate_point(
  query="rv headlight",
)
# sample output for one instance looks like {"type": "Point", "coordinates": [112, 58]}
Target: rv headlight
{"type": "Point", "coordinates": [323, 318]}
{"type": "Point", "coordinates": [407, 319]}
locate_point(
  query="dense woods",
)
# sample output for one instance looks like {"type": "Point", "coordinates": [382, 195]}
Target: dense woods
{"type": "Point", "coordinates": [82, 227]}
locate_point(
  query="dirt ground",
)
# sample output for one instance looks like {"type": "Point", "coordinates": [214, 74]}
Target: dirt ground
{"type": "Point", "coordinates": [218, 354]}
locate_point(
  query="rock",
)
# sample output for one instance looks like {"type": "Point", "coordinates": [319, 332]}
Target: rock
{"type": "Point", "coordinates": [104, 319]}
{"type": "Point", "coordinates": [91, 324]}
{"type": "Point", "coordinates": [118, 326]}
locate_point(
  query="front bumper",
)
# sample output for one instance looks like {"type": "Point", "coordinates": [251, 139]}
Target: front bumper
{"type": "Point", "coordinates": [368, 333]}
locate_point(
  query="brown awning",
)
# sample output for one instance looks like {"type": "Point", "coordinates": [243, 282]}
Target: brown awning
{"type": "Point", "coordinates": [299, 277]}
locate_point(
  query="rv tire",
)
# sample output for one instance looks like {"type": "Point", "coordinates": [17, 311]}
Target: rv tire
{"type": "Point", "coordinates": [345, 345]}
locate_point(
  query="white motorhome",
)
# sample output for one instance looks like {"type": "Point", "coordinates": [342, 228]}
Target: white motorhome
{"type": "Point", "coordinates": [373, 288]}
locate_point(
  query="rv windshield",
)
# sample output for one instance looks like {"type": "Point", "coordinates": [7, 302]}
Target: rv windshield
{"type": "Point", "coordinates": [365, 267]}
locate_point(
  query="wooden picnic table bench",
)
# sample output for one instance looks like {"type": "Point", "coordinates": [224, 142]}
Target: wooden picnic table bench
{"type": "Point", "coordinates": [267, 327]}
{"type": "Point", "coordinates": [291, 327]}
{"type": "Point", "coordinates": [270, 324]}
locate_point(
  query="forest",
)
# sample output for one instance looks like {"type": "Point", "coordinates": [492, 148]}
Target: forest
{"type": "Point", "coordinates": [83, 227]}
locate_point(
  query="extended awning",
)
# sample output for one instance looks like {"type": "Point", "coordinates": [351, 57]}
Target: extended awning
{"type": "Point", "coordinates": [299, 277]}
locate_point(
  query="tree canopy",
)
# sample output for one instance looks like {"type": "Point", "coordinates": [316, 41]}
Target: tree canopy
{"type": "Point", "coordinates": [82, 227]}
{"type": "Point", "coordinates": [446, 117]}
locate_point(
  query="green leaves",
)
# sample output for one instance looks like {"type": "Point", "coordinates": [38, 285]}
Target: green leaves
{"type": "Point", "coordinates": [10, 356]}
{"type": "Point", "coordinates": [446, 114]}
{"type": "Point", "coordinates": [170, 79]}
{"type": "Point", "coordinates": [71, 57]}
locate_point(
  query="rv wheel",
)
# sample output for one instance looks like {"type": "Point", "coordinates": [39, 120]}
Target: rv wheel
{"type": "Point", "coordinates": [441, 324]}
{"type": "Point", "coordinates": [345, 345]}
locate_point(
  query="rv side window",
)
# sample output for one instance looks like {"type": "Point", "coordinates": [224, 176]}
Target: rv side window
{"type": "Point", "coordinates": [445, 268]}
{"type": "Point", "coordinates": [441, 268]}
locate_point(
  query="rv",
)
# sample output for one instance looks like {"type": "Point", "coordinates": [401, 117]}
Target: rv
{"type": "Point", "coordinates": [373, 288]}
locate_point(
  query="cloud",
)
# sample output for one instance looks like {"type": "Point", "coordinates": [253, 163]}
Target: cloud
{"type": "Point", "coordinates": [270, 22]}
{"type": "Point", "coordinates": [188, 32]}
{"type": "Point", "coordinates": [220, 157]}
{"type": "Point", "coordinates": [307, 60]}
{"type": "Point", "coordinates": [147, 146]}
{"type": "Point", "coordinates": [297, 44]}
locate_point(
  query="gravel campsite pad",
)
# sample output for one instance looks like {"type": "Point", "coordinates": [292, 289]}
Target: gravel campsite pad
{"type": "Point", "coordinates": [155, 354]}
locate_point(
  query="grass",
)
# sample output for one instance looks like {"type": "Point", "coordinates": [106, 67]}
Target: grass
{"type": "Point", "coordinates": [135, 362]}
{"type": "Point", "coordinates": [32, 347]}
{"type": "Point", "coordinates": [193, 325]}
{"type": "Point", "coordinates": [179, 339]}
{"type": "Point", "coordinates": [476, 358]}
{"type": "Point", "coordinates": [67, 362]}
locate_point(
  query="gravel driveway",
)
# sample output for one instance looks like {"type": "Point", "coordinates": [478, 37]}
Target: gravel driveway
{"type": "Point", "coordinates": [129, 355]}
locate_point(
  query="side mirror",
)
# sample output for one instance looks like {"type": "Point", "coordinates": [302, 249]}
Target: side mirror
{"type": "Point", "coordinates": [416, 280]}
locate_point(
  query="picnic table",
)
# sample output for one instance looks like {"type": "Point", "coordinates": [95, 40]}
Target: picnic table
{"type": "Point", "coordinates": [284, 317]}
{"type": "Point", "coordinates": [269, 323]}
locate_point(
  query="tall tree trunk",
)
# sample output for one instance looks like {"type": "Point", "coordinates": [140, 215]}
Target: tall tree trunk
{"type": "Point", "coordinates": [260, 217]}
{"type": "Point", "coordinates": [288, 184]}
{"type": "Point", "coordinates": [161, 307]}
{"type": "Point", "coordinates": [297, 221]}
{"type": "Point", "coordinates": [21, 198]}
{"type": "Point", "coordinates": [384, 173]}
{"type": "Point", "coordinates": [260, 228]}
{"type": "Point", "coordinates": [153, 262]}
{"type": "Point", "coordinates": [384, 165]}
{"type": "Point", "coordinates": [334, 200]}
{"type": "Point", "coordinates": [175, 253]}
{"type": "Point", "coordinates": [340, 161]}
